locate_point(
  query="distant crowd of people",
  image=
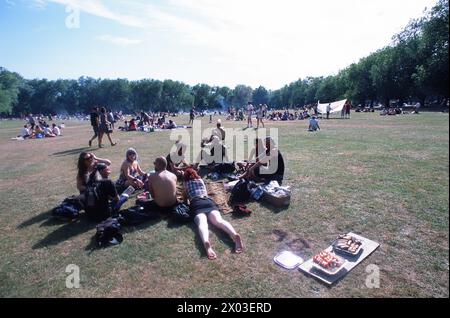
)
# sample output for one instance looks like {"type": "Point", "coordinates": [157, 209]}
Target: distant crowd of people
{"type": "Point", "coordinates": [37, 128]}
{"type": "Point", "coordinates": [149, 122]}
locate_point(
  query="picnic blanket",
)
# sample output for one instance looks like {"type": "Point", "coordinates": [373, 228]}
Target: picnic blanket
{"type": "Point", "coordinates": [367, 248]}
{"type": "Point", "coordinates": [216, 191]}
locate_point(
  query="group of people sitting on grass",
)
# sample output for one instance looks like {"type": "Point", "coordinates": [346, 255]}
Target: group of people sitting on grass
{"type": "Point", "coordinates": [395, 111]}
{"type": "Point", "coordinates": [287, 115]}
{"type": "Point", "coordinates": [265, 163]}
{"type": "Point", "coordinates": [37, 131]}
{"type": "Point", "coordinates": [149, 122]}
{"type": "Point", "coordinates": [162, 185]}
{"type": "Point", "coordinates": [139, 125]}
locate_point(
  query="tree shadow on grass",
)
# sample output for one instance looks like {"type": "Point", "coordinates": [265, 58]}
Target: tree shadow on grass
{"type": "Point", "coordinates": [70, 152]}
{"type": "Point", "coordinates": [65, 232]}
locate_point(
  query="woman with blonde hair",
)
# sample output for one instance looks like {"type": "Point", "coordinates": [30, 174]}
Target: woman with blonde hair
{"type": "Point", "coordinates": [131, 173]}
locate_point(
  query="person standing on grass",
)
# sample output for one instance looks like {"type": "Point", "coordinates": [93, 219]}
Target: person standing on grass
{"type": "Point", "coordinates": [110, 117]}
{"type": "Point", "coordinates": [249, 114]}
{"type": "Point", "coordinates": [347, 107]}
{"type": "Point", "coordinates": [31, 121]}
{"type": "Point", "coordinates": [95, 122]}
{"type": "Point", "coordinates": [328, 110]}
{"type": "Point", "coordinates": [259, 116]}
{"type": "Point", "coordinates": [104, 128]}
{"type": "Point", "coordinates": [204, 209]}
{"type": "Point", "coordinates": [191, 116]}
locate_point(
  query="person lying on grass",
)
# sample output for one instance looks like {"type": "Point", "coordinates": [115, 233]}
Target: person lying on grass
{"type": "Point", "coordinates": [204, 209]}
{"type": "Point", "coordinates": [131, 173]}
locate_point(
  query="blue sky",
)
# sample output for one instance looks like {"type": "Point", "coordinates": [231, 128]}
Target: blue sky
{"type": "Point", "coordinates": [218, 42]}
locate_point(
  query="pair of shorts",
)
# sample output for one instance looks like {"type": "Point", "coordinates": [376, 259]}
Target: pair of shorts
{"type": "Point", "coordinates": [200, 205]}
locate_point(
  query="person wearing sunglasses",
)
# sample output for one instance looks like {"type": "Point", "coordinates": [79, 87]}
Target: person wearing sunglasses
{"type": "Point", "coordinates": [87, 163]}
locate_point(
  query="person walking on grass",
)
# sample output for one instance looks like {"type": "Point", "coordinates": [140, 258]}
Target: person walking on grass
{"type": "Point", "coordinates": [260, 115]}
{"type": "Point", "coordinates": [250, 110]}
{"type": "Point", "coordinates": [104, 128]}
{"type": "Point", "coordinates": [95, 122]}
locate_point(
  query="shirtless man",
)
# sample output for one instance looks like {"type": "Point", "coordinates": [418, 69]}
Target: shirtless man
{"type": "Point", "coordinates": [163, 185]}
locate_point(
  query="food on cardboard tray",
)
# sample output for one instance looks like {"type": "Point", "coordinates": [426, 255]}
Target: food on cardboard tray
{"type": "Point", "coordinates": [347, 243]}
{"type": "Point", "coordinates": [328, 261]}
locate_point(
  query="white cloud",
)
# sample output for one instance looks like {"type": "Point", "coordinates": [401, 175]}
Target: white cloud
{"type": "Point", "coordinates": [258, 42]}
{"type": "Point", "coordinates": [97, 8]}
{"type": "Point", "coordinates": [117, 40]}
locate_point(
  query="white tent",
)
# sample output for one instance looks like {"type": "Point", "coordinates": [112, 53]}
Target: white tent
{"type": "Point", "coordinates": [335, 106]}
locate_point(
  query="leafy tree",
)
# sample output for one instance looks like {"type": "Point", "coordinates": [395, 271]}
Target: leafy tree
{"type": "Point", "coordinates": [202, 96]}
{"type": "Point", "coordinates": [241, 95]}
{"type": "Point", "coordinates": [260, 96]}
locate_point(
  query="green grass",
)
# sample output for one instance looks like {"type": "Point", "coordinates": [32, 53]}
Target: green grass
{"type": "Point", "coordinates": [386, 178]}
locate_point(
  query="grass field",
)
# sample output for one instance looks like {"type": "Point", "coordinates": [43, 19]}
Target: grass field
{"type": "Point", "coordinates": [386, 178]}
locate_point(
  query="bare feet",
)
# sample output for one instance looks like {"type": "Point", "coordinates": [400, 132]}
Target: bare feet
{"type": "Point", "coordinates": [209, 251]}
{"type": "Point", "coordinates": [239, 247]}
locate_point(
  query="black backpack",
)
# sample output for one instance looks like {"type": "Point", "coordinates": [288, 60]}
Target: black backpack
{"type": "Point", "coordinates": [68, 209]}
{"type": "Point", "coordinates": [224, 168]}
{"type": "Point", "coordinates": [108, 233]}
{"type": "Point", "coordinates": [137, 215]}
{"type": "Point", "coordinates": [240, 192]}
{"type": "Point", "coordinates": [180, 213]}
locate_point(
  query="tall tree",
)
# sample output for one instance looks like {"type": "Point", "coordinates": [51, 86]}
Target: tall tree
{"type": "Point", "coordinates": [260, 95]}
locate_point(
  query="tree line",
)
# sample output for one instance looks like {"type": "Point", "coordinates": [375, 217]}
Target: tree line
{"type": "Point", "coordinates": [413, 67]}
